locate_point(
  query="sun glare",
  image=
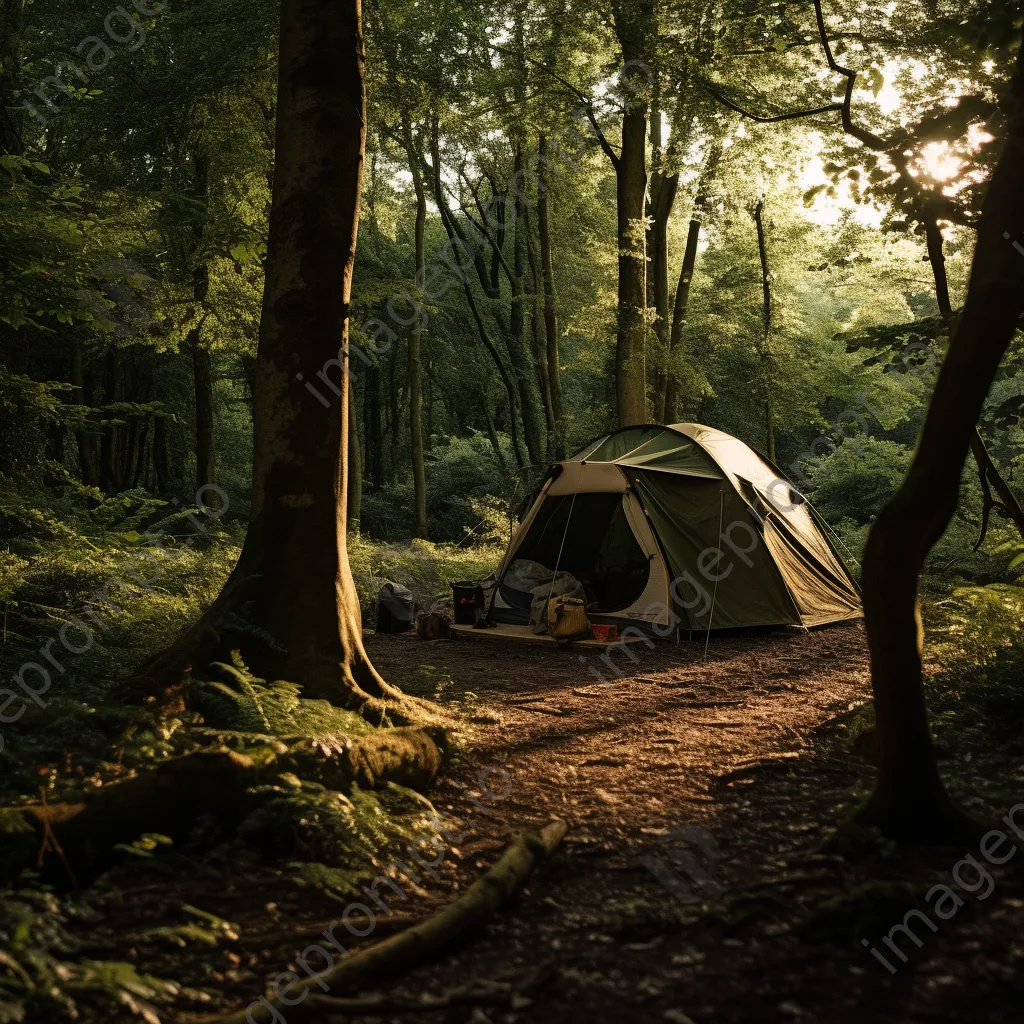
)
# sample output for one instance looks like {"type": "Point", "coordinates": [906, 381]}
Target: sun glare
{"type": "Point", "coordinates": [939, 162]}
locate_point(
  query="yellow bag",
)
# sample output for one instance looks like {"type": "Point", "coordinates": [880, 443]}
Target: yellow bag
{"type": "Point", "coordinates": [567, 618]}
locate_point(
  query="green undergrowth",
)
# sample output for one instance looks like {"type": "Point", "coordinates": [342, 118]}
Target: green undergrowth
{"type": "Point", "coordinates": [974, 663]}
{"type": "Point", "coordinates": [55, 558]}
{"type": "Point", "coordinates": [46, 975]}
{"type": "Point", "coordinates": [427, 569]}
{"type": "Point", "coordinates": [307, 835]}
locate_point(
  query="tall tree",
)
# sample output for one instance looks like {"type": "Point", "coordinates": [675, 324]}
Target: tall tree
{"type": "Point", "coordinates": [550, 307]}
{"type": "Point", "coordinates": [909, 800]}
{"type": "Point", "coordinates": [293, 582]}
{"type": "Point", "coordinates": [664, 185]}
{"type": "Point", "coordinates": [419, 480]}
{"type": "Point", "coordinates": [763, 345]}
{"type": "Point", "coordinates": [634, 28]}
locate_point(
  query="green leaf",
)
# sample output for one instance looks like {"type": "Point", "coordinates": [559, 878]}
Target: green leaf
{"type": "Point", "coordinates": [40, 166]}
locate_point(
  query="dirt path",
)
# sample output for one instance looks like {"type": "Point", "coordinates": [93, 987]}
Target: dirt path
{"type": "Point", "coordinates": [617, 757]}
{"type": "Point", "coordinates": [627, 764]}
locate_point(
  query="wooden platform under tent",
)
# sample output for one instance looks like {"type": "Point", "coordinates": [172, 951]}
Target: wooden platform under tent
{"type": "Point", "coordinates": [525, 634]}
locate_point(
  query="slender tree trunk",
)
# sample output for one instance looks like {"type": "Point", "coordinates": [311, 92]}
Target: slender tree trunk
{"type": "Point", "coordinates": [202, 375]}
{"type": "Point", "coordinates": [293, 577]}
{"type": "Point", "coordinates": [248, 364]}
{"type": "Point", "coordinates": [161, 469]}
{"type": "Point", "coordinates": [455, 236]}
{"type": "Point", "coordinates": [141, 464]}
{"type": "Point", "coordinates": [525, 370]}
{"type": "Point", "coordinates": [663, 196]}
{"type": "Point", "coordinates": [550, 307]}
{"type": "Point", "coordinates": [109, 442]}
{"type": "Point", "coordinates": [355, 464]}
{"type": "Point", "coordinates": [11, 25]}
{"type": "Point", "coordinates": [764, 349]}
{"type": "Point", "coordinates": [395, 414]}
{"type": "Point", "coordinates": [419, 477]}
{"type": "Point", "coordinates": [631, 334]}
{"type": "Point", "coordinates": [538, 343]}
{"type": "Point", "coordinates": [372, 428]}
{"type": "Point", "coordinates": [909, 800]}
{"type": "Point", "coordinates": [84, 441]}
{"type": "Point", "coordinates": [202, 360]}
{"type": "Point", "coordinates": [679, 307]}
{"type": "Point", "coordinates": [492, 433]}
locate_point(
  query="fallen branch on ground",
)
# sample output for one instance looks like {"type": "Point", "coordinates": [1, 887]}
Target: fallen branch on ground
{"type": "Point", "coordinates": [386, 924]}
{"type": "Point", "coordinates": [427, 940]}
{"type": "Point", "coordinates": [169, 798]}
{"type": "Point", "coordinates": [478, 994]}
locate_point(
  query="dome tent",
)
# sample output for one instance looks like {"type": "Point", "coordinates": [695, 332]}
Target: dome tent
{"type": "Point", "coordinates": [679, 527]}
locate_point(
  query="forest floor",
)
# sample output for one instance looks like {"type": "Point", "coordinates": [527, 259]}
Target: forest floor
{"type": "Point", "coordinates": [695, 885]}
{"type": "Point", "coordinates": [739, 917]}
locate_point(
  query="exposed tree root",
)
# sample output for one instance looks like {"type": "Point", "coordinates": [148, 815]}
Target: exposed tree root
{"type": "Point", "coordinates": [169, 799]}
{"type": "Point", "coordinates": [338, 671]}
{"type": "Point", "coordinates": [937, 822]}
{"type": "Point", "coordinates": [428, 940]}
{"type": "Point", "coordinates": [385, 924]}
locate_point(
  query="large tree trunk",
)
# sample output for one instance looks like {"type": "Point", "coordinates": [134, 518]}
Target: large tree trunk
{"type": "Point", "coordinates": [419, 477]}
{"type": "Point", "coordinates": [550, 308]}
{"type": "Point", "coordinates": [635, 29]}
{"type": "Point", "coordinates": [909, 800]}
{"type": "Point", "coordinates": [293, 582]}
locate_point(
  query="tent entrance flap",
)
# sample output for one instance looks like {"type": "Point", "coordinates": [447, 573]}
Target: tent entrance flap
{"type": "Point", "coordinates": [600, 549]}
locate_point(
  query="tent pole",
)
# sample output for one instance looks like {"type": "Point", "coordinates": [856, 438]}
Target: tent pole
{"type": "Point", "coordinates": [565, 533]}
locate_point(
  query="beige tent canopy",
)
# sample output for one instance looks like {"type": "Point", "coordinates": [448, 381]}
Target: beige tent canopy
{"type": "Point", "coordinates": [678, 527]}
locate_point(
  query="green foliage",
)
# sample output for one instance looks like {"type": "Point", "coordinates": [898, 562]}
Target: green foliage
{"type": "Point", "coordinates": [245, 703]}
{"type": "Point", "coordinates": [858, 478]}
{"type": "Point", "coordinates": [40, 980]}
{"type": "Point", "coordinates": [428, 570]}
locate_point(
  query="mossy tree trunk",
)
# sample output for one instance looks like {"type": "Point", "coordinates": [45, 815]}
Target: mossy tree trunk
{"type": "Point", "coordinates": [291, 604]}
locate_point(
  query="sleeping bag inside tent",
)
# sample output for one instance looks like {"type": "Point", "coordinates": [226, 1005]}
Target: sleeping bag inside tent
{"type": "Point", "coordinates": [676, 527]}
